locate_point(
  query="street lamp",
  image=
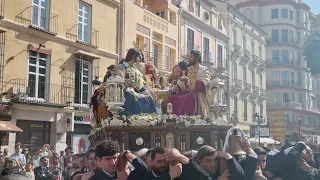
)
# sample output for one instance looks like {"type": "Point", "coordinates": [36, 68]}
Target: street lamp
{"type": "Point", "coordinates": [259, 119]}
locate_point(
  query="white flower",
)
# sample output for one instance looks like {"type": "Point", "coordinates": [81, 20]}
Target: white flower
{"type": "Point", "coordinates": [164, 121]}
{"type": "Point", "coordinates": [153, 123]}
{"type": "Point", "coordinates": [125, 124]}
{"type": "Point", "coordinates": [124, 117]}
{"type": "Point", "coordinates": [187, 123]}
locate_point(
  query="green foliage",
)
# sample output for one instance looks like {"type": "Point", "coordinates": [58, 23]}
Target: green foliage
{"type": "Point", "coordinates": [312, 48]}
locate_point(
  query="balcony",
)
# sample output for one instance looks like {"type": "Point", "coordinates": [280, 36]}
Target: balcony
{"type": "Point", "coordinates": [274, 63]}
{"type": "Point", "coordinates": [160, 61]}
{"type": "Point", "coordinates": [286, 105]}
{"type": "Point", "coordinates": [303, 25]}
{"type": "Point", "coordinates": [35, 92]}
{"type": "Point", "coordinates": [245, 58]}
{"type": "Point", "coordinates": [284, 41]}
{"type": "Point", "coordinates": [262, 66]}
{"type": "Point", "coordinates": [245, 91]}
{"type": "Point", "coordinates": [262, 96]}
{"type": "Point", "coordinates": [39, 19]}
{"type": "Point", "coordinates": [254, 94]}
{"type": "Point", "coordinates": [278, 85]}
{"type": "Point", "coordinates": [254, 62]}
{"type": "Point", "coordinates": [235, 52]}
{"type": "Point", "coordinates": [236, 86]}
{"type": "Point", "coordinates": [83, 35]}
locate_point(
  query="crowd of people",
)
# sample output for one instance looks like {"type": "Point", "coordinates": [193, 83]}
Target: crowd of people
{"type": "Point", "coordinates": [106, 162]}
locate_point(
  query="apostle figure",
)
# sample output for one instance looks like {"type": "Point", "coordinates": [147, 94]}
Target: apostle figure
{"type": "Point", "coordinates": [138, 100]}
{"type": "Point", "coordinates": [192, 100]}
{"type": "Point", "coordinates": [146, 68]}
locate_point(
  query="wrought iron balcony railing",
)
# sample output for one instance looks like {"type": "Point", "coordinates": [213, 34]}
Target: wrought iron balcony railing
{"type": "Point", "coordinates": [84, 35]}
{"type": "Point", "coordinates": [35, 92]}
{"type": "Point", "coordinates": [39, 18]}
{"type": "Point", "coordinates": [160, 61]}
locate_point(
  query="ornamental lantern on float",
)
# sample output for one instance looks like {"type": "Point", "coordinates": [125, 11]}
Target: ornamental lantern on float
{"type": "Point", "coordinates": [169, 108]}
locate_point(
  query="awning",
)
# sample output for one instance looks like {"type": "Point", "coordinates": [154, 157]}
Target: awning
{"type": "Point", "coordinates": [93, 56]}
{"type": "Point", "coordinates": [7, 126]}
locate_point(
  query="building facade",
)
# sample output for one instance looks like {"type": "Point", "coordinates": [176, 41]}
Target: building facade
{"type": "Point", "coordinates": [202, 28]}
{"type": "Point", "coordinates": [247, 68]}
{"type": "Point", "coordinates": [49, 58]}
{"type": "Point", "coordinates": [289, 81]}
{"type": "Point", "coordinates": [151, 26]}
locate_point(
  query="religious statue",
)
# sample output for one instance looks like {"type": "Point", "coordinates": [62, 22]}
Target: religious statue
{"type": "Point", "coordinates": [137, 98]}
{"type": "Point", "coordinates": [190, 98]}
{"type": "Point", "coordinates": [146, 68]}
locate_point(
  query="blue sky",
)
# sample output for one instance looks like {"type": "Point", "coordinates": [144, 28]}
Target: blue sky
{"type": "Point", "coordinates": [314, 4]}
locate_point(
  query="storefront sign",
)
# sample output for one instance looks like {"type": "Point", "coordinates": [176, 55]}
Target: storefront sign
{"type": "Point", "coordinates": [82, 120]}
{"type": "Point", "coordinates": [69, 122]}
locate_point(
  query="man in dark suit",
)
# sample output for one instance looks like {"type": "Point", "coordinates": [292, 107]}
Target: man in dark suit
{"type": "Point", "coordinates": [107, 157]}
{"type": "Point", "coordinates": [43, 172]}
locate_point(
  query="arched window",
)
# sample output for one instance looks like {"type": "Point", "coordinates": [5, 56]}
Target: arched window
{"type": "Point", "coordinates": [249, 13]}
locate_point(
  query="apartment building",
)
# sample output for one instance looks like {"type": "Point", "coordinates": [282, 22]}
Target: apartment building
{"type": "Point", "coordinates": [152, 26]}
{"type": "Point", "coordinates": [247, 67]}
{"type": "Point", "coordinates": [202, 28]}
{"type": "Point", "coordinates": [51, 52]}
{"type": "Point", "coordinates": [289, 81]}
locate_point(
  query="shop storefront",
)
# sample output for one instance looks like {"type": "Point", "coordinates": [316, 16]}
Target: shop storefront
{"type": "Point", "coordinates": [35, 134]}
{"type": "Point", "coordinates": [78, 139]}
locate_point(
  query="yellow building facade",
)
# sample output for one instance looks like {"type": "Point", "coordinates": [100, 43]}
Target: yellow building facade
{"type": "Point", "coordinates": [152, 26]}
{"type": "Point", "coordinates": [51, 51]}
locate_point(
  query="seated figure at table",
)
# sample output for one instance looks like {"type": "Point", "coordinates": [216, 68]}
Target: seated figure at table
{"type": "Point", "coordinates": [175, 80]}
{"type": "Point", "coordinates": [138, 100]}
{"type": "Point", "coordinates": [191, 99]}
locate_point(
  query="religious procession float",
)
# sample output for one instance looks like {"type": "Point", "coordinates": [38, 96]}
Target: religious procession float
{"type": "Point", "coordinates": [136, 109]}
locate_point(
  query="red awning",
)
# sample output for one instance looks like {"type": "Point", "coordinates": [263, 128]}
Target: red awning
{"type": "Point", "coordinates": [7, 126]}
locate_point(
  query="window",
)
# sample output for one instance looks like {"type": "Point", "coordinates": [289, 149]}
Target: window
{"type": "Point", "coordinates": [206, 49]}
{"type": "Point", "coordinates": [274, 13]}
{"type": "Point", "coordinates": [244, 43]}
{"type": "Point", "coordinates": [171, 17]}
{"type": "Point", "coordinates": [275, 35]}
{"type": "Point", "coordinates": [160, 14]}
{"type": "Point", "coordinates": [284, 13]}
{"type": "Point", "coordinates": [261, 110]}
{"type": "Point", "coordinates": [275, 57]}
{"type": "Point", "coordinates": [291, 36]}
{"type": "Point", "coordinates": [291, 14]}
{"type": "Point", "coordinates": [38, 75]}
{"type": "Point", "coordinates": [84, 22]}
{"type": "Point", "coordinates": [245, 110]}
{"type": "Point", "coordinates": [235, 105]}
{"type": "Point", "coordinates": [298, 16]}
{"type": "Point", "coordinates": [234, 70]}
{"type": "Point", "coordinates": [292, 79]}
{"type": "Point", "coordinates": [234, 36]}
{"type": "Point", "coordinates": [287, 117]}
{"type": "Point", "coordinates": [260, 52]}
{"type": "Point", "coordinates": [286, 98]}
{"type": "Point", "coordinates": [293, 98]}
{"type": "Point", "coordinates": [198, 8]}
{"type": "Point", "coordinates": [285, 78]}
{"type": "Point", "coordinates": [168, 56]}
{"type": "Point", "coordinates": [261, 80]}
{"type": "Point", "coordinates": [276, 78]}
{"type": "Point", "coordinates": [40, 13]}
{"type": "Point", "coordinates": [284, 35]}
{"type": "Point", "coordinates": [298, 37]}
{"type": "Point", "coordinates": [252, 48]}
{"type": "Point", "coordinates": [285, 57]}
{"type": "Point", "coordinates": [82, 81]}
{"type": "Point", "coordinates": [190, 40]}
{"type": "Point", "coordinates": [155, 50]}
{"type": "Point", "coordinates": [253, 105]}
{"type": "Point", "coordinates": [244, 71]}
{"type": "Point", "coordinates": [293, 118]}
{"type": "Point", "coordinates": [276, 98]}
{"type": "Point", "coordinates": [220, 55]}
{"type": "Point", "coordinates": [253, 79]}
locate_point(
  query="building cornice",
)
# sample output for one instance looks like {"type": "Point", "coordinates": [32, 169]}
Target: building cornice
{"type": "Point", "coordinates": [272, 2]}
{"type": "Point", "coordinates": [198, 22]}
{"type": "Point", "coordinates": [247, 20]}
{"type": "Point", "coordinates": [58, 39]}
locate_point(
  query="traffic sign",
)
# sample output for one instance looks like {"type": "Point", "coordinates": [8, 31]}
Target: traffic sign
{"type": "Point", "coordinates": [277, 129]}
{"type": "Point", "coordinates": [277, 116]}
{"type": "Point", "coordinates": [274, 133]}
